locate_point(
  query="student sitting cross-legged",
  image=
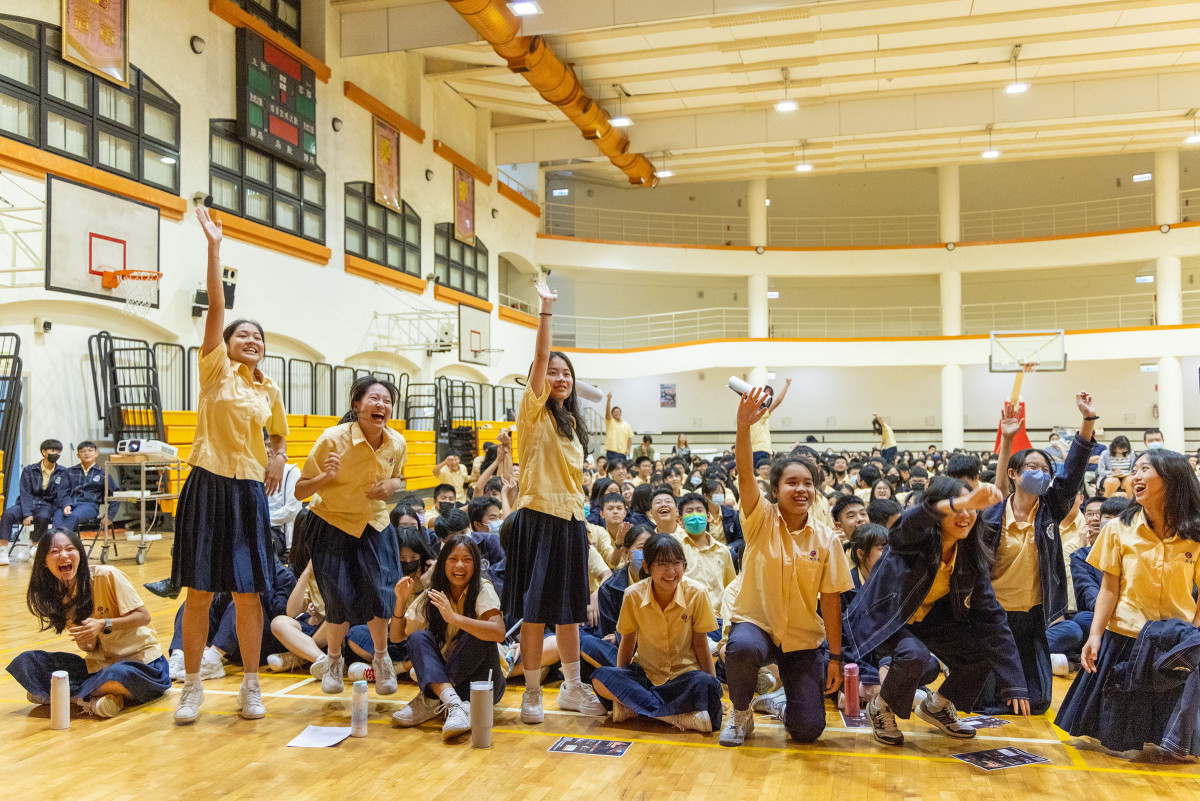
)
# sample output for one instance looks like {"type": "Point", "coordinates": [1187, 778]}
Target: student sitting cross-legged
{"type": "Point", "coordinates": [452, 630]}
{"type": "Point", "coordinates": [664, 666]}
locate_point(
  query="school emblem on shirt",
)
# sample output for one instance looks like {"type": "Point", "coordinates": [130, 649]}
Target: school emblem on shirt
{"type": "Point", "coordinates": [683, 616]}
{"type": "Point", "coordinates": [812, 556]}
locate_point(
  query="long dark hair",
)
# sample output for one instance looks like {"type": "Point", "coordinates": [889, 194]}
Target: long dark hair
{"type": "Point", "coordinates": [359, 389]}
{"type": "Point", "coordinates": [410, 537]}
{"type": "Point", "coordinates": [642, 494]}
{"type": "Point", "coordinates": [440, 582]}
{"type": "Point", "coordinates": [45, 596]}
{"type": "Point", "coordinates": [973, 551]}
{"type": "Point", "coordinates": [450, 523]}
{"type": "Point", "coordinates": [1181, 495]}
{"type": "Point", "coordinates": [600, 489]}
{"type": "Point", "coordinates": [568, 415]}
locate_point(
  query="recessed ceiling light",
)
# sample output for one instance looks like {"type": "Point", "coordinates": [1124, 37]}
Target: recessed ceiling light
{"type": "Point", "coordinates": [990, 154]}
{"type": "Point", "coordinates": [1016, 88]}
{"type": "Point", "coordinates": [525, 8]}
{"type": "Point", "coordinates": [784, 106]}
{"type": "Point", "coordinates": [620, 122]}
{"type": "Point", "coordinates": [806, 167]}
{"type": "Point", "coordinates": [664, 173]}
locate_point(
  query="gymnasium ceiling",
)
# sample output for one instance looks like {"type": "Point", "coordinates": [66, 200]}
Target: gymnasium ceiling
{"type": "Point", "coordinates": [880, 84]}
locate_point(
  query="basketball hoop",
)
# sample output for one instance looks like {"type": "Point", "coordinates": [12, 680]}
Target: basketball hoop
{"type": "Point", "coordinates": [488, 353]}
{"type": "Point", "coordinates": [138, 288]}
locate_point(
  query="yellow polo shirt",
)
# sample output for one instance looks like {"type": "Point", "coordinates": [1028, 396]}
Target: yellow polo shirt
{"type": "Point", "coordinates": [821, 510]}
{"type": "Point", "coordinates": [939, 590]}
{"type": "Point", "coordinates": [601, 540]}
{"type": "Point", "coordinates": [785, 572]}
{"type": "Point", "coordinates": [597, 567]}
{"type": "Point", "coordinates": [454, 478]}
{"type": "Point", "coordinates": [889, 438]}
{"type": "Point", "coordinates": [343, 502]}
{"type": "Point", "coordinates": [551, 466]}
{"type": "Point", "coordinates": [114, 596]}
{"type": "Point", "coordinates": [664, 636]}
{"type": "Point", "coordinates": [1073, 534]}
{"type": "Point", "coordinates": [416, 616]}
{"type": "Point", "coordinates": [617, 435]}
{"type": "Point", "coordinates": [1016, 579]}
{"type": "Point", "coordinates": [760, 434]}
{"type": "Point", "coordinates": [235, 405]}
{"type": "Point", "coordinates": [711, 566]}
{"type": "Point", "coordinates": [1156, 575]}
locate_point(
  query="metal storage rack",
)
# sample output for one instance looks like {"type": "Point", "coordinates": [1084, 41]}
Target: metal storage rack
{"type": "Point", "coordinates": [155, 478]}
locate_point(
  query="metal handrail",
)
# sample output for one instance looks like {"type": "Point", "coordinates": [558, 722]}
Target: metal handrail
{"type": "Point", "coordinates": [1102, 311]}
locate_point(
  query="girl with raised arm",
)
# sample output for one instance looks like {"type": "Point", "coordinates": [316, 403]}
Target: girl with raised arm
{"type": "Point", "coordinates": [223, 523]}
{"type": "Point", "coordinates": [547, 564]}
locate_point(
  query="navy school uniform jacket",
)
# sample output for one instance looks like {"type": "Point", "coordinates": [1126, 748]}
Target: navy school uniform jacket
{"type": "Point", "coordinates": [731, 525]}
{"type": "Point", "coordinates": [902, 578]}
{"type": "Point", "coordinates": [80, 487]}
{"type": "Point", "coordinates": [609, 597]}
{"type": "Point", "coordinates": [33, 498]}
{"type": "Point", "coordinates": [1052, 508]}
{"type": "Point", "coordinates": [1086, 580]}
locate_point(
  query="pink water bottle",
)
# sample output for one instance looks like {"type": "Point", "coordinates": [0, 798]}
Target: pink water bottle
{"type": "Point", "coordinates": [850, 688]}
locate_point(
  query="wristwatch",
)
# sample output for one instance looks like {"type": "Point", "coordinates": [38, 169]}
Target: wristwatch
{"type": "Point", "coordinates": [108, 625]}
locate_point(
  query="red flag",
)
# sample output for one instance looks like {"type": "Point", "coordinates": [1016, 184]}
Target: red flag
{"type": "Point", "coordinates": [1021, 439]}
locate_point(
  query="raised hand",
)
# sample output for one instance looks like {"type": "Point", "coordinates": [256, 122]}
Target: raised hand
{"type": "Point", "coordinates": [750, 407]}
{"type": "Point", "coordinates": [1010, 419]}
{"type": "Point", "coordinates": [444, 606]}
{"type": "Point", "coordinates": [1083, 401]}
{"type": "Point", "coordinates": [404, 588]}
{"type": "Point", "coordinates": [547, 295]}
{"type": "Point", "coordinates": [212, 229]}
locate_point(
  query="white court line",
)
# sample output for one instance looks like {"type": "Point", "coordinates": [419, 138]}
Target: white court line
{"type": "Point", "coordinates": [295, 686]}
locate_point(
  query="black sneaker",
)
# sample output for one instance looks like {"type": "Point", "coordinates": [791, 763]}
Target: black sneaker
{"type": "Point", "coordinates": [163, 589]}
{"type": "Point", "coordinates": [883, 723]}
{"type": "Point", "coordinates": [945, 720]}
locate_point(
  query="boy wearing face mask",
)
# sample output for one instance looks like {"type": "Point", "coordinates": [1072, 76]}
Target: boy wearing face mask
{"type": "Point", "coordinates": [709, 562]}
{"type": "Point", "coordinates": [443, 501]}
{"type": "Point", "coordinates": [1152, 438]}
{"type": "Point", "coordinates": [1029, 576]}
{"type": "Point", "coordinates": [486, 516]}
{"type": "Point", "coordinates": [41, 484]}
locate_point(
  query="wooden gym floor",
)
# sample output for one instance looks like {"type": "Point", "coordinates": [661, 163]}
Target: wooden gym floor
{"type": "Point", "coordinates": [141, 753]}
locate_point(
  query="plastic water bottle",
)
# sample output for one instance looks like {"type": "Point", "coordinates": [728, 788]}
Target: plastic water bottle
{"type": "Point", "coordinates": [358, 710]}
{"type": "Point", "coordinates": [60, 700]}
{"type": "Point", "coordinates": [850, 688]}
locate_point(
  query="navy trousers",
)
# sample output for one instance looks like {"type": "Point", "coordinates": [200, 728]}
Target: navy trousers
{"type": "Point", "coordinates": [470, 659]}
{"type": "Point", "coordinates": [803, 674]}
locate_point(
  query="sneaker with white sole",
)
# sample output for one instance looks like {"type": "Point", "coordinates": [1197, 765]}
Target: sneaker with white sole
{"type": "Point", "coordinates": [175, 666]}
{"type": "Point", "coordinates": [250, 704]}
{"type": "Point", "coordinates": [531, 706]}
{"type": "Point", "coordinates": [622, 713]}
{"type": "Point", "coordinates": [331, 682]}
{"type": "Point", "coordinates": [106, 706]}
{"type": "Point", "coordinates": [4, 555]}
{"type": "Point", "coordinates": [945, 720]}
{"type": "Point", "coordinates": [39, 700]}
{"type": "Point", "coordinates": [284, 663]}
{"type": "Point", "coordinates": [317, 669]}
{"type": "Point", "coordinates": [883, 723]}
{"type": "Point", "coordinates": [190, 699]}
{"type": "Point", "coordinates": [385, 674]}
{"type": "Point", "coordinates": [769, 703]}
{"type": "Point", "coordinates": [580, 698]}
{"type": "Point", "coordinates": [212, 665]}
{"type": "Point", "coordinates": [1059, 665]}
{"type": "Point", "coordinates": [766, 682]}
{"type": "Point", "coordinates": [417, 711]}
{"type": "Point", "coordinates": [458, 720]}
{"type": "Point", "coordinates": [691, 721]}
{"type": "Point", "coordinates": [360, 671]}
{"type": "Point", "coordinates": [738, 726]}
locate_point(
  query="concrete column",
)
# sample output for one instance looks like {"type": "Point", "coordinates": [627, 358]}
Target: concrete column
{"type": "Point", "coordinates": [952, 406]}
{"type": "Point", "coordinates": [1168, 282]}
{"type": "Point", "coordinates": [756, 200]}
{"type": "Point", "coordinates": [1166, 187]}
{"type": "Point", "coordinates": [758, 377]}
{"type": "Point", "coordinates": [1170, 402]}
{"type": "Point", "coordinates": [760, 321]}
{"type": "Point", "coordinates": [949, 204]}
{"type": "Point", "coordinates": [951, 287]}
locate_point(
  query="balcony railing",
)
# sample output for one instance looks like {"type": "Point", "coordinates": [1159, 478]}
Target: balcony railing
{"type": "Point", "coordinates": [1110, 311]}
{"type": "Point", "coordinates": [516, 303]}
{"type": "Point", "coordinates": [626, 225]}
{"type": "Point", "coordinates": [518, 187]}
{"type": "Point", "coordinates": [651, 329]}
{"type": "Point", "coordinates": [834, 232]}
{"type": "Point", "coordinates": [1061, 219]}
{"type": "Point", "coordinates": [891, 321]}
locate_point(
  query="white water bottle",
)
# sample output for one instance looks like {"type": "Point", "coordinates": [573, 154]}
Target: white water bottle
{"type": "Point", "coordinates": [588, 392]}
{"type": "Point", "coordinates": [60, 700]}
{"type": "Point", "coordinates": [358, 710]}
{"type": "Point", "coordinates": [481, 713]}
{"type": "Point", "coordinates": [741, 388]}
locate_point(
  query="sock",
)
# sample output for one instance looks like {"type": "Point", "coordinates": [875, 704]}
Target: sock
{"type": "Point", "coordinates": [570, 672]}
{"type": "Point", "coordinates": [533, 680]}
{"type": "Point", "coordinates": [449, 697]}
{"type": "Point", "coordinates": [935, 702]}
{"type": "Point", "coordinates": [335, 657]}
{"type": "Point", "coordinates": [380, 655]}
{"type": "Point", "coordinates": [192, 678]}
{"type": "Point", "coordinates": [249, 679]}
{"type": "Point", "coordinates": [880, 704]}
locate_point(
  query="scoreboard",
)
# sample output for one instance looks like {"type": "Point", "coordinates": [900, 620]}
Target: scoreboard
{"type": "Point", "coordinates": [277, 101]}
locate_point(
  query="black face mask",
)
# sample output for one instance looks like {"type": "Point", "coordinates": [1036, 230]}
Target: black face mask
{"type": "Point", "coordinates": [411, 568]}
{"type": "Point", "coordinates": [52, 457]}
{"type": "Point", "coordinates": [444, 507]}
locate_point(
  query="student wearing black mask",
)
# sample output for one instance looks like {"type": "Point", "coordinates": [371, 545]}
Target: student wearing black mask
{"type": "Point", "coordinates": [40, 484]}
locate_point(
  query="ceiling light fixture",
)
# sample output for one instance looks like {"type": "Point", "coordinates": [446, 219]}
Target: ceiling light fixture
{"type": "Point", "coordinates": [784, 106]}
{"type": "Point", "coordinates": [1016, 87]}
{"type": "Point", "coordinates": [1194, 137]}
{"type": "Point", "coordinates": [663, 172]}
{"type": "Point", "coordinates": [991, 152]}
{"type": "Point", "coordinates": [619, 121]}
{"type": "Point", "coordinates": [804, 166]}
{"type": "Point", "coordinates": [525, 8]}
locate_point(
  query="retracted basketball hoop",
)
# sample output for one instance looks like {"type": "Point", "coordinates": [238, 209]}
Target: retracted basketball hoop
{"type": "Point", "coordinates": [138, 288]}
{"type": "Point", "coordinates": [1021, 352]}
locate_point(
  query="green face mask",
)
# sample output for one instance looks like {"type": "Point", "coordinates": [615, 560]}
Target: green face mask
{"type": "Point", "coordinates": [695, 523]}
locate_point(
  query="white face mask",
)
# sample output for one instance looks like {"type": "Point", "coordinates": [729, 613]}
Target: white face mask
{"type": "Point", "coordinates": [718, 498]}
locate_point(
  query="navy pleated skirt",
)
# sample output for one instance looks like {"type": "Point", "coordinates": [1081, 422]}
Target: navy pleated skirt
{"type": "Point", "coordinates": [545, 574]}
{"type": "Point", "coordinates": [356, 575]}
{"type": "Point", "coordinates": [222, 535]}
{"type": "Point", "coordinates": [1121, 721]}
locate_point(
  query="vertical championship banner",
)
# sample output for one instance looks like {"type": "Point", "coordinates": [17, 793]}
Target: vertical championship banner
{"type": "Point", "coordinates": [95, 36]}
{"type": "Point", "coordinates": [387, 166]}
{"type": "Point", "coordinates": [464, 206]}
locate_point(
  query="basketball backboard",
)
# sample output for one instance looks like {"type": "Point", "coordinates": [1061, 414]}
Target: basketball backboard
{"type": "Point", "coordinates": [474, 335]}
{"type": "Point", "coordinates": [90, 232]}
{"type": "Point", "coordinates": [1014, 351]}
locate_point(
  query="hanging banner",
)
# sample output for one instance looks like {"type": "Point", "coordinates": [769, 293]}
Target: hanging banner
{"type": "Point", "coordinates": [95, 36]}
{"type": "Point", "coordinates": [464, 206]}
{"type": "Point", "coordinates": [387, 166]}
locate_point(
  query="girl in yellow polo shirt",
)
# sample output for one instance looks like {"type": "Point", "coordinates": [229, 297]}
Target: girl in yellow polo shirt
{"type": "Point", "coordinates": [1150, 561]}
{"type": "Point", "coordinates": [790, 602]}
{"type": "Point", "coordinates": [223, 523]}
{"type": "Point", "coordinates": [664, 668]}
{"type": "Point", "coordinates": [546, 577]}
{"type": "Point", "coordinates": [356, 467]}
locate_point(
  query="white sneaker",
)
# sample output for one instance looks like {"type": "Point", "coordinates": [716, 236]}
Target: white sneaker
{"type": "Point", "coordinates": [250, 704]}
{"type": "Point", "coordinates": [212, 665]}
{"type": "Point", "coordinates": [691, 721]}
{"type": "Point", "coordinates": [1059, 665]}
{"type": "Point", "coordinates": [385, 674]}
{"type": "Point", "coordinates": [175, 666]}
{"type": "Point", "coordinates": [360, 671]}
{"type": "Point", "coordinates": [883, 723]}
{"type": "Point", "coordinates": [284, 663]}
{"type": "Point", "coordinates": [531, 706]}
{"type": "Point", "coordinates": [622, 713]}
{"type": "Point", "coordinates": [4, 554]}
{"type": "Point", "coordinates": [580, 698]}
{"type": "Point", "coordinates": [331, 682]}
{"type": "Point", "coordinates": [417, 711]}
{"type": "Point", "coordinates": [771, 703]}
{"type": "Point", "coordinates": [317, 669]}
{"type": "Point", "coordinates": [106, 706]}
{"type": "Point", "coordinates": [738, 726]}
{"type": "Point", "coordinates": [766, 682]}
{"type": "Point", "coordinates": [458, 720]}
{"type": "Point", "coordinates": [190, 699]}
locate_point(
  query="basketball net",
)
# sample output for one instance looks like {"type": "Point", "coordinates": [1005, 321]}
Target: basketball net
{"type": "Point", "coordinates": [138, 288]}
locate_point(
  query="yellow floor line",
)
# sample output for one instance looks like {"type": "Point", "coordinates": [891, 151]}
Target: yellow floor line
{"type": "Point", "coordinates": [1072, 751]}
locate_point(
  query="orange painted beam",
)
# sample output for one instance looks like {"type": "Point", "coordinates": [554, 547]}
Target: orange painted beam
{"type": "Point", "coordinates": [362, 98]}
{"type": "Point", "coordinates": [459, 160]}
{"type": "Point", "coordinates": [519, 317]}
{"type": "Point", "coordinates": [448, 295]}
{"type": "Point", "coordinates": [258, 234]}
{"type": "Point", "coordinates": [384, 275]}
{"type": "Point", "coordinates": [521, 201]}
{"type": "Point", "coordinates": [239, 18]}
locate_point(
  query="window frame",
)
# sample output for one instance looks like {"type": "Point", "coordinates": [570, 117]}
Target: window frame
{"type": "Point", "coordinates": [453, 269]}
{"type": "Point", "coordinates": [410, 251]}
